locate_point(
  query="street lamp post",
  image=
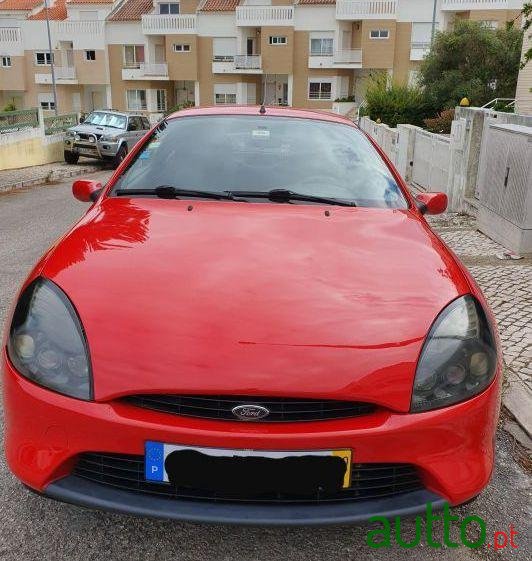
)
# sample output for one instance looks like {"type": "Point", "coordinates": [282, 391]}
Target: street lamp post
{"type": "Point", "coordinates": [433, 29]}
{"type": "Point", "coordinates": [51, 56]}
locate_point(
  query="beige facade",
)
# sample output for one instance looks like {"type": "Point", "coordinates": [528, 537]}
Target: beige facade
{"type": "Point", "coordinates": [264, 53]}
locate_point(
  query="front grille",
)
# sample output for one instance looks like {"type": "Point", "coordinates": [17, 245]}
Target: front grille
{"type": "Point", "coordinates": [281, 409]}
{"type": "Point", "coordinates": [84, 136]}
{"type": "Point", "coordinates": [368, 481]}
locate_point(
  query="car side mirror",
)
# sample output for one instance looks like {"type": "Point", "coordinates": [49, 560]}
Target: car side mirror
{"type": "Point", "coordinates": [81, 119]}
{"type": "Point", "coordinates": [431, 203]}
{"type": "Point", "coordinates": [131, 127]}
{"type": "Point", "coordinates": [86, 191]}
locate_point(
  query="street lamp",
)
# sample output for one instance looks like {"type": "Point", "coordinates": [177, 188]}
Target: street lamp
{"type": "Point", "coordinates": [51, 55]}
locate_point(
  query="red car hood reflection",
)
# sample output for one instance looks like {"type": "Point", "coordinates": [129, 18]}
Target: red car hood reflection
{"type": "Point", "coordinates": [265, 299]}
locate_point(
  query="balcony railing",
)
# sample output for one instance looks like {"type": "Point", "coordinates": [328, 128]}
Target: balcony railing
{"type": "Point", "coordinates": [366, 9]}
{"type": "Point", "coordinates": [154, 69]}
{"type": "Point", "coordinates": [155, 24]}
{"type": "Point", "coordinates": [65, 72]}
{"type": "Point", "coordinates": [69, 28]}
{"type": "Point", "coordinates": [144, 70]}
{"type": "Point", "coordinates": [343, 58]}
{"type": "Point", "coordinates": [349, 56]}
{"type": "Point", "coordinates": [264, 15]}
{"type": "Point", "coordinates": [10, 35]}
{"type": "Point", "coordinates": [466, 5]}
{"type": "Point", "coordinates": [248, 62]}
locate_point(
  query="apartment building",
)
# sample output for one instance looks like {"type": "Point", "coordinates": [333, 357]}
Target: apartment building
{"type": "Point", "coordinates": [151, 55]}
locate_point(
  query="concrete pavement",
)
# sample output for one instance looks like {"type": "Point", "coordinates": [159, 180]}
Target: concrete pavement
{"type": "Point", "coordinates": [34, 528]}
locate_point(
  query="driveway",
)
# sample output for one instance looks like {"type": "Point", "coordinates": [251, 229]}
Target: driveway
{"type": "Point", "coordinates": [34, 528]}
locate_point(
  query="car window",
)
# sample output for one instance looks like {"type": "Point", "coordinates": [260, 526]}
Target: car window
{"type": "Point", "coordinates": [241, 152]}
{"type": "Point", "coordinates": [103, 119]}
{"type": "Point", "coordinates": [145, 123]}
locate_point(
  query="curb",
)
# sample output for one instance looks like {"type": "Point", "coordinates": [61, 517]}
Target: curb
{"type": "Point", "coordinates": [48, 177]}
{"type": "Point", "coordinates": [517, 399]}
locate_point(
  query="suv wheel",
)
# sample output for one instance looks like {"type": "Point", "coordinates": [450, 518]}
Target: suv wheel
{"type": "Point", "coordinates": [120, 155]}
{"type": "Point", "coordinates": [71, 157]}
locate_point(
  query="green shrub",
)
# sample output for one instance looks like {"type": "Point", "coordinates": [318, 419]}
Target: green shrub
{"type": "Point", "coordinates": [179, 106]}
{"type": "Point", "coordinates": [440, 124]}
{"type": "Point", "coordinates": [395, 104]}
{"type": "Point", "coordinates": [10, 107]}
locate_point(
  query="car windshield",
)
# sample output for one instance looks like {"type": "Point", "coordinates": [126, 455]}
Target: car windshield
{"type": "Point", "coordinates": [248, 153]}
{"type": "Point", "coordinates": [106, 120]}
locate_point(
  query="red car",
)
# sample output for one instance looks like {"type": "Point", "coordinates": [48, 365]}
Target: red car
{"type": "Point", "coordinates": [252, 323]}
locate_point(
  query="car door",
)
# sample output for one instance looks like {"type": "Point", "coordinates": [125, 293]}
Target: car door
{"type": "Point", "coordinates": [134, 131]}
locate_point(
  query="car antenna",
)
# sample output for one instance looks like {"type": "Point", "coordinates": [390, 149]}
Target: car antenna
{"type": "Point", "coordinates": [262, 109]}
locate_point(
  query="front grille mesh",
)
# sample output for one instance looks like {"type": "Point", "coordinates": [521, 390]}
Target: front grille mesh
{"type": "Point", "coordinates": [368, 481]}
{"type": "Point", "coordinates": [281, 409]}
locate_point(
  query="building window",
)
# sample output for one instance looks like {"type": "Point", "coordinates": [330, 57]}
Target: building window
{"type": "Point", "coordinates": [161, 100]}
{"type": "Point", "coordinates": [47, 105]}
{"type": "Point", "coordinates": [278, 40]}
{"type": "Point", "coordinates": [136, 100]}
{"type": "Point", "coordinates": [321, 47]}
{"type": "Point", "coordinates": [5, 61]}
{"type": "Point", "coordinates": [320, 89]}
{"type": "Point", "coordinates": [379, 34]}
{"type": "Point", "coordinates": [169, 8]}
{"type": "Point", "coordinates": [181, 48]}
{"type": "Point", "coordinates": [133, 56]}
{"type": "Point", "coordinates": [90, 55]}
{"type": "Point", "coordinates": [225, 99]}
{"type": "Point", "coordinates": [490, 24]}
{"type": "Point", "coordinates": [43, 59]}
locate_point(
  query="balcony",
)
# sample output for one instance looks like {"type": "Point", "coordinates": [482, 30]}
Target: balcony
{"type": "Point", "coordinates": [64, 75]}
{"type": "Point", "coordinates": [466, 5]}
{"type": "Point", "coordinates": [419, 50]}
{"type": "Point", "coordinates": [146, 71]}
{"type": "Point", "coordinates": [155, 24]}
{"type": "Point", "coordinates": [11, 41]}
{"type": "Point", "coordinates": [256, 16]}
{"type": "Point", "coordinates": [345, 58]}
{"type": "Point", "coordinates": [366, 9]}
{"type": "Point", "coordinates": [237, 64]}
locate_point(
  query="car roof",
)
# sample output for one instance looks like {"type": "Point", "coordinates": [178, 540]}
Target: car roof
{"type": "Point", "coordinates": [269, 112]}
{"type": "Point", "coordinates": [116, 112]}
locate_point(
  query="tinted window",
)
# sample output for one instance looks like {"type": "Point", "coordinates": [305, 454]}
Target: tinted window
{"type": "Point", "coordinates": [218, 153]}
{"type": "Point", "coordinates": [145, 123]}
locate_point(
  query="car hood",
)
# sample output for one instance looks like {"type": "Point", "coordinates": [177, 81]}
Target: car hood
{"type": "Point", "coordinates": [95, 129]}
{"type": "Point", "coordinates": [264, 299]}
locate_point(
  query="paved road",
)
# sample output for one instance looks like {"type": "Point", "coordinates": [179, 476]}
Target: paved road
{"type": "Point", "coordinates": [32, 528]}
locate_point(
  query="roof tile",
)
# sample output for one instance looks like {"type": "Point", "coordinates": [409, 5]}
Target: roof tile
{"type": "Point", "coordinates": [19, 4]}
{"type": "Point", "coordinates": [220, 5]}
{"type": "Point", "coordinates": [56, 11]}
{"type": "Point", "coordinates": [131, 10]}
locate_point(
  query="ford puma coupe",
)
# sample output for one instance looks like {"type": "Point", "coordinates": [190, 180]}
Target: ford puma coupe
{"type": "Point", "coordinates": [252, 323]}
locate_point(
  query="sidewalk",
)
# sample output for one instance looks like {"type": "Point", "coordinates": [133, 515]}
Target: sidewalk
{"type": "Point", "coordinates": [507, 284]}
{"type": "Point", "coordinates": [24, 177]}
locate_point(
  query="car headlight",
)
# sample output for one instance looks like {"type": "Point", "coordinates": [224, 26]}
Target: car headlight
{"type": "Point", "coordinates": [70, 134]}
{"type": "Point", "coordinates": [107, 138]}
{"type": "Point", "coordinates": [47, 343]}
{"type": "Point", "coordinates": [458, 359]}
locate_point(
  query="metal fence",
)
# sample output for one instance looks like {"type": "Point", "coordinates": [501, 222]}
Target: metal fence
{"type": "Point", "coordinates": [59, 123]}
{"type": "Point", "coordinates": [12, 121]}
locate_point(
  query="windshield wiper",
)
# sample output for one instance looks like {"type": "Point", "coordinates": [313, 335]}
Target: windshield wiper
{"type": "Point", "coordinates": [285, 196]}
{"type": "Point", "coordinates": [170, 192]}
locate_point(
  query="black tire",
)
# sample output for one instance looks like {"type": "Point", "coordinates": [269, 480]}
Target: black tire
{"type": "Point", "coordinates": [120, 155]}
{"type": "Point", "coordinates": [71, 157]}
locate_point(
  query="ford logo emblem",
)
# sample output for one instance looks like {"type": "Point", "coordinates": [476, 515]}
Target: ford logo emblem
{"type": "Point", "coordinates": [250, 412]}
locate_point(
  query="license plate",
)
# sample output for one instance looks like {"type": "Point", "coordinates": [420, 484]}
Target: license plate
{"type": "Point", "coordinates": [157, 452]}
{"type": "Point", "coordinates": [85, 150]}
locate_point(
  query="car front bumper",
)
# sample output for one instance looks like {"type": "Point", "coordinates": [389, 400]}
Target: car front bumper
{"type": "Point", "coordinates": [96, 149]}
{"type": "Point", "coordinates": [452, 448]}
